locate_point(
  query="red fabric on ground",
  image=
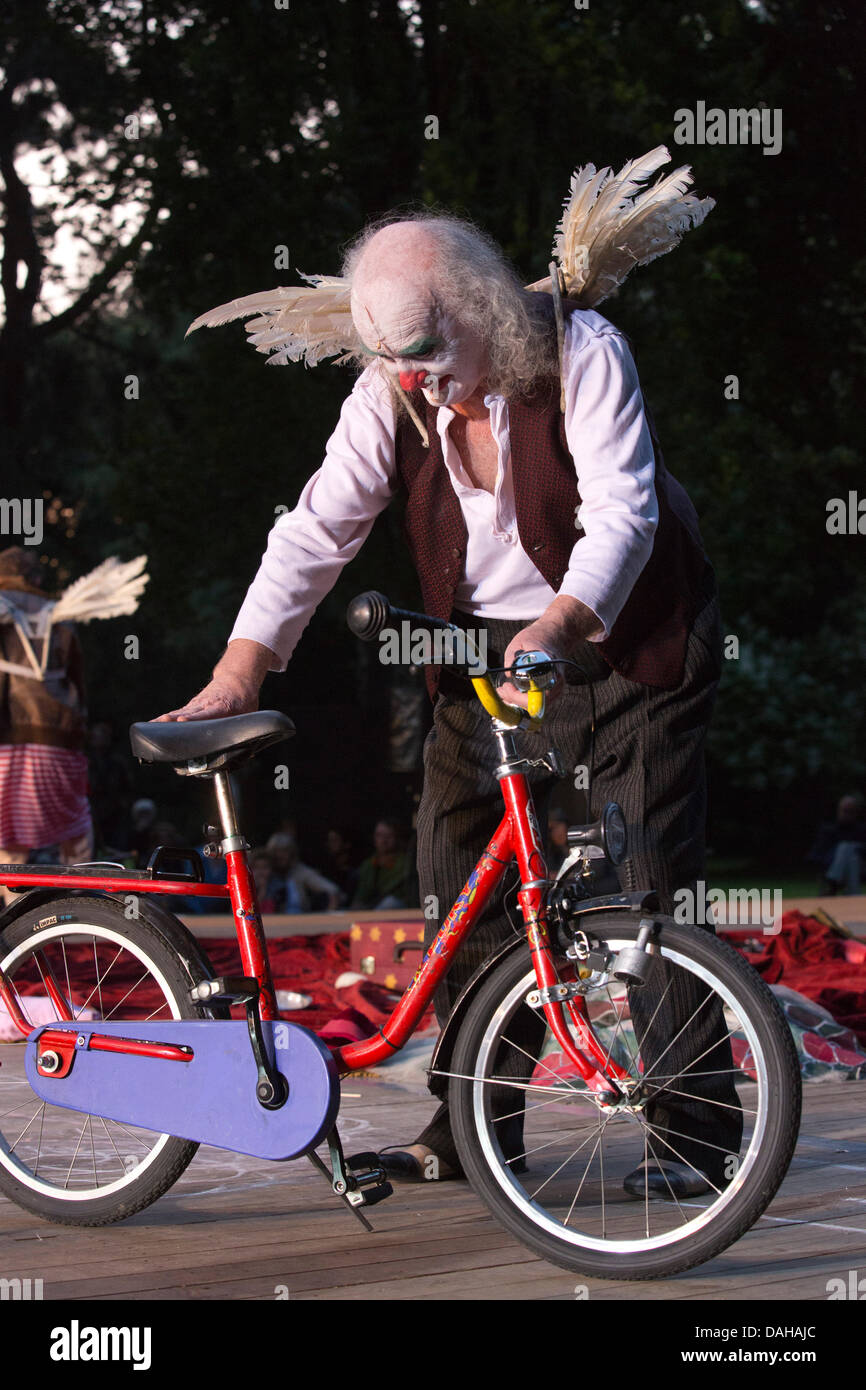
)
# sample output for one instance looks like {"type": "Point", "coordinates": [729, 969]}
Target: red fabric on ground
{"type": "Point", "coordinates": [305, 964]}
{"type": "Point", "coordinates": [815, 960]}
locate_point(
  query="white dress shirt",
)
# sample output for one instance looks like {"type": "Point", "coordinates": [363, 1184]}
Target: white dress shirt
{"type": "Point", "coordinates": [607, 436]}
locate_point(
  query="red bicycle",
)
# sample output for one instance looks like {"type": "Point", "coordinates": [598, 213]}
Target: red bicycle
{"type": "Point", "coordinates": [556, 1075]}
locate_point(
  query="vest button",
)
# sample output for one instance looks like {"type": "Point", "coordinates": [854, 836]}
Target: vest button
{"type": "Point", "coordinates": [539, 545]}
{"type": "Point", "coordinates": [455, 551]}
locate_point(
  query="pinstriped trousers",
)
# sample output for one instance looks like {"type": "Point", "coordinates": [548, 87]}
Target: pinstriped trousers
{"type": "Point", "coordinates": [649, 757]}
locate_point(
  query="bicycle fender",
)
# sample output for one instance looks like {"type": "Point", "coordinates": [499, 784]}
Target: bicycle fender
{"type": "Point", "coordinates": [211, 1098]}
{"type": "Point", "coordinates": [173, 931]}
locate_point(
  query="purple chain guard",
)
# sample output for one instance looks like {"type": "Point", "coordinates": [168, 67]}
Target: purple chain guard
{"type": "Point", "coordinates": [211, 1099]}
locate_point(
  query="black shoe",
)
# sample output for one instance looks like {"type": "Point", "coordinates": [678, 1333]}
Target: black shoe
{"type": "Point", "coordinates": [667, 1181]}
{"type": "Point", "coordinates": [401, 1166]}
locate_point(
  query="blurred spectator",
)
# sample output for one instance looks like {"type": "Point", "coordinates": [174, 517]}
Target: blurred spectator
{"type": "Point", "coordinates": [382, 882]}
{"type": "Point", "coordinates": [111, 786]}
{"type": "Point", "coordinates": [262, 866]}
{"type": "Point", "coordinates": [340, 863]}
{"type": "Point", "coordinates": [839, 847]}
{"type": "Point", "coordinates": [142, 841]}
{"type": "Point", "coordinates": [293, 886]}
{"type": "Point", "coordinates": [43, 766]}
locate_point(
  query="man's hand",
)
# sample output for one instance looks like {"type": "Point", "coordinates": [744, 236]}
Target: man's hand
{"type": "Point", "coordinates": [235, 686]}
{"type": "Point", "coordinates": [561, 626]}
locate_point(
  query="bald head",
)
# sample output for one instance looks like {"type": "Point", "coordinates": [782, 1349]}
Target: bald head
{"type": "Point", "coordinates": [436, 303]}
{"type": "Point", "coordinates": [401, 316]}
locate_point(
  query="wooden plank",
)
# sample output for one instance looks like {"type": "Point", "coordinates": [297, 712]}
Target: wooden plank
{"type": "Point", "coordinates": [236, 1228]}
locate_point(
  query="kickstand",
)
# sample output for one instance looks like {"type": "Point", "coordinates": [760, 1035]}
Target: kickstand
{"type": "Point", "coordinates": [337, 1182]}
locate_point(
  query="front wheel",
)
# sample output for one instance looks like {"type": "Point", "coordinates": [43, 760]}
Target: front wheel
{"type": "Point", "coordinates": [712, 1086]}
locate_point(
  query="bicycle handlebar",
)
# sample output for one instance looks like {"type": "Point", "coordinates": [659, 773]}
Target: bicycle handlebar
{"type": "Point", "coordinates": [371, 612]}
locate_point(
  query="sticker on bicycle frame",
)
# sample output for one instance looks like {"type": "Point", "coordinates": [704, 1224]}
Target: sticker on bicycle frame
{"type": "Point", "coordinates": [534, 827]}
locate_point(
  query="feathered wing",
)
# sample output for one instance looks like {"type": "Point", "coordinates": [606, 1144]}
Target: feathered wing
{"type": "Point", "coordinates": [294, 323]}
{"type": "Point", "coordinates": [613, 222]}
{"type": "Point", "coordinates": [610, 223]}
{"type": "Point", "coordinates": [112, 589]}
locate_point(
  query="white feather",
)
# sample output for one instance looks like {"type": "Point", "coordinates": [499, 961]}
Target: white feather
{"type": "Point", "coordinates": [294, 323]}
{"type": "Point", "coordinates": [112, 589]}
{"type": "Point", "coordinates": [613, 222]}
{"type": "Point", "coordinates": [610, 223]}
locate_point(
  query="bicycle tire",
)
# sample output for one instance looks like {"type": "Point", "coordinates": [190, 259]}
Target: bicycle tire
{"type": "Point", "coordinates": [51, 929]}
{"type": "Point", "coordinates": [510, 1183]}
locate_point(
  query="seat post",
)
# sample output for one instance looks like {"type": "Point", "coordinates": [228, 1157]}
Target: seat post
{"type": "Point", "coordinates": [226, 804]}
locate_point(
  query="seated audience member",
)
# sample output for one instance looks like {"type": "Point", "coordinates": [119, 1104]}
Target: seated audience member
{"type": "Point", "coordinates": [293, 886]}
{"type": "Point", "coordinates": [340, 863]}
{"type": "Point", "coordinates": [839, 847]}
{"type": "Point", "coordinates": [262, 867]}
{"type": "Point", "coordinates": [382, 881]}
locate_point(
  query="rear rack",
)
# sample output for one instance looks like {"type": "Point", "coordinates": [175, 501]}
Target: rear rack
{"type": "Point", "coordinates": [20, 878]}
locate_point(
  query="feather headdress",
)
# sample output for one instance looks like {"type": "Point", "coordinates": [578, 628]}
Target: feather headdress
{"type": "Point", "coordinates": [109, 591]}
{"type": "Point", "coordinates": [292, 323]}
{"type": "Point", "coordinates": [613, 222]}
{"type": "Point", "coordinates": [610, 223]}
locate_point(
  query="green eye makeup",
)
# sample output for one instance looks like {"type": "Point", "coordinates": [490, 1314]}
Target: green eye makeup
{"type": "Point", "coordinates": [422, 348]}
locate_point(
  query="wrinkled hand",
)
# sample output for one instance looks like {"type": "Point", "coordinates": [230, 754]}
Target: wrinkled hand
{"type": "Point", "coordinates": [235, 686]}
{"type": "Point", "coordinates": [564, 623]}
{"type": "Point", "coordinates": [535, 638]}
{"type": "Point", "coordinates": [218, 700]}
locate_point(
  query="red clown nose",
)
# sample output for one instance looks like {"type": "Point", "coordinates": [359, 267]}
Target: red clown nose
{"type": "Point", "coordinates": [410, 381]}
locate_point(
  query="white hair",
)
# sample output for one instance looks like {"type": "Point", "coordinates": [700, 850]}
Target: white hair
{"type": "Point", "coordinates": [475, 284]}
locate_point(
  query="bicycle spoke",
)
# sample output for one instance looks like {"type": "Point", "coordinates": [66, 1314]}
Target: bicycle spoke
{"type": "Point", "coordinates": [535, 1060]}
{"type": "Point", "coordinates": [107, 1016]}
{"type": "Point", "coordinates": [680, 1157]}
{"type": "Point", "coordinates": [703, 1100]}
{"type": "Point", "coordinates": [98, 985]}
{"type": "Point", "coordinates": [112, 1143]}
{"type": "Point", "coordinates": [675, 1039]}
{"type": "Point", "coordinates": [14, 1146]}
{"type": "Point", "coordinates": [75, 1154]}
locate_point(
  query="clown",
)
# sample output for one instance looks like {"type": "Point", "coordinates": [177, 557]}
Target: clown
{"type": "Point", "coordinates": [539, 510]}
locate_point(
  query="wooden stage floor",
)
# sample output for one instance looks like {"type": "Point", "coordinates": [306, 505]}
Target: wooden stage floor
{"type": "Point", "coordinates": [238, 1228]}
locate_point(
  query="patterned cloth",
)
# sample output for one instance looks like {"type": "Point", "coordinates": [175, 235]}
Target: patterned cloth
{"type": "Point", "coordinates": [43, 795]}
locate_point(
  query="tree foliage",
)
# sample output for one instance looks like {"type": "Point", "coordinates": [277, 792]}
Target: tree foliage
{"type": "Point", "coordinates": [189, 141]}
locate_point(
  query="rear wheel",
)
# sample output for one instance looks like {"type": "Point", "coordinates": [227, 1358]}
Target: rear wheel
{"type": "Point", "coordinates": [712, 1084]}
{"type": "Point", "coordinates": [61, 1164]}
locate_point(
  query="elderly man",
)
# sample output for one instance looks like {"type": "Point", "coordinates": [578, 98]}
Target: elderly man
{"type": "Point", "coordinates": [549, 529]}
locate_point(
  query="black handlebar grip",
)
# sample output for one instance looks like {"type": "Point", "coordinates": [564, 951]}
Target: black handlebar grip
{"type": "Point", "coordinates": [371, 612]}
{"type": "Point", "coordinates": [368, 614]}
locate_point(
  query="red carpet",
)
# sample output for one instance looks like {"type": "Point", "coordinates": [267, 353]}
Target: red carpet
{"type": "Point", "coordinates": [309, 965]}
{"type": "Point", "coordinates": [813, 959]}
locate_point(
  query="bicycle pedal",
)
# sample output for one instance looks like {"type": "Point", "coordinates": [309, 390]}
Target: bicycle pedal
{"type": "Point", "coordinates": [368, 1176]}
{"type": "Point", "coordinates": [371, 1195]}
{"type": "Point", "coordinates": [225, 989]}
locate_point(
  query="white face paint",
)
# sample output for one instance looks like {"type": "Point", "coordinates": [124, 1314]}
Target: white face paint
{"type": "Point", "coordinates": [417, 341]}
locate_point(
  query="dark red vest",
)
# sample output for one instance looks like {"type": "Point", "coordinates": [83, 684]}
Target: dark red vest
{"type": "Point", "coordinates": [648, 641]}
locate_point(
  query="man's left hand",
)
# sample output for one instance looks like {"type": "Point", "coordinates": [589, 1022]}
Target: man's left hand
{"type": "Point", "coordinates": [561, 626]}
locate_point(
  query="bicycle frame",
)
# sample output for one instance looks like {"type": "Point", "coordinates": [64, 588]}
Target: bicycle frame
{"type": "Point", "coordinates": [517, 837]}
